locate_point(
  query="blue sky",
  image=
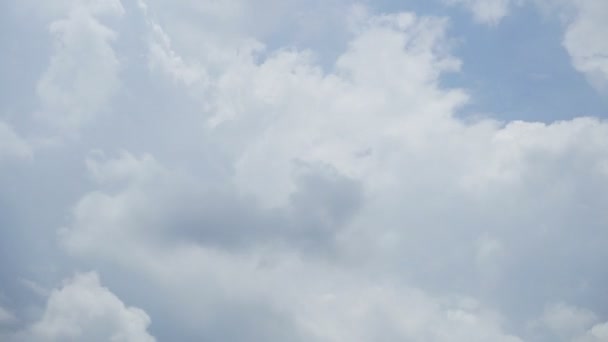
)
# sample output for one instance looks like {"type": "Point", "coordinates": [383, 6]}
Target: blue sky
{"type": "Point", "coordinates": [517, 69]}
{"type": "Point", "coordinates": [525, 72]}
{"type": "Point", "coordinates": [303, 170]}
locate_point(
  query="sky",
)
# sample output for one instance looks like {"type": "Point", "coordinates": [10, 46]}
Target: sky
{"type": "Point", "coordinates": [320, 170]}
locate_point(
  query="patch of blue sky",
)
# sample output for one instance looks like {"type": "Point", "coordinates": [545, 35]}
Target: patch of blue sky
{"type": "Point", "coordinates": [515, 70]}
{"type": "Point", "coordinates": [519, 70]}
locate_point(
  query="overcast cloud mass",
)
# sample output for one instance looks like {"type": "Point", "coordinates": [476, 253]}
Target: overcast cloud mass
{"type": "Point", "coordinates": [304, 170]}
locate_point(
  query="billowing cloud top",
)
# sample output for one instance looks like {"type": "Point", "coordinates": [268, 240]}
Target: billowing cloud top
{"type": "Point", "coordinates": [298, 171]}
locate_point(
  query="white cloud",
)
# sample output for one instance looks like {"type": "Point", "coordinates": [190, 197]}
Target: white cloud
{"type": "Point", "coordinates": [584, 40]}
{"type": "Point", "coordinates": [83, 72]}
{"type": "Point", "coordinates": [274, 293]}
{"type": "Point", "coordinates": [385, 83]}
{"type": "Point", "coordinates": [100, 215]}
{"type": "Point", "coordinates": [597, 333]}
{"type": "Point", "coordinates": [439, 199]}
{"type": "Point", "coordinates": [375, 313]}
{"type": "Point", "coordinates": [84, 310]}
{"type": "Point", "coordinates": [567, 321]}
{"type": "Point", "coordinates": [297, 201]}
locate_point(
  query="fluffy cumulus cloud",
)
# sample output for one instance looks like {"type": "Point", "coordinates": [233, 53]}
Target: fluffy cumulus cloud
{"type": "Point", "coordinates": [583, 41]}
{"type": "Point", "coordinates": [236, 187]}
{"type": "Point", "coordinates": [83, 72]}
{"type": "Point", "coordinates": [83, 310]}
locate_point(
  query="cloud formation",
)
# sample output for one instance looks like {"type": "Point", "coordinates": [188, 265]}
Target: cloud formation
{"type": "Point", "coordinates": [237, 188]}
{"type": "Point", "coordinates": [582, 40]}
{"type": "Point", "coordinates": [83, 72]}
{"type": "Point", "coordinates": [83, 310]}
